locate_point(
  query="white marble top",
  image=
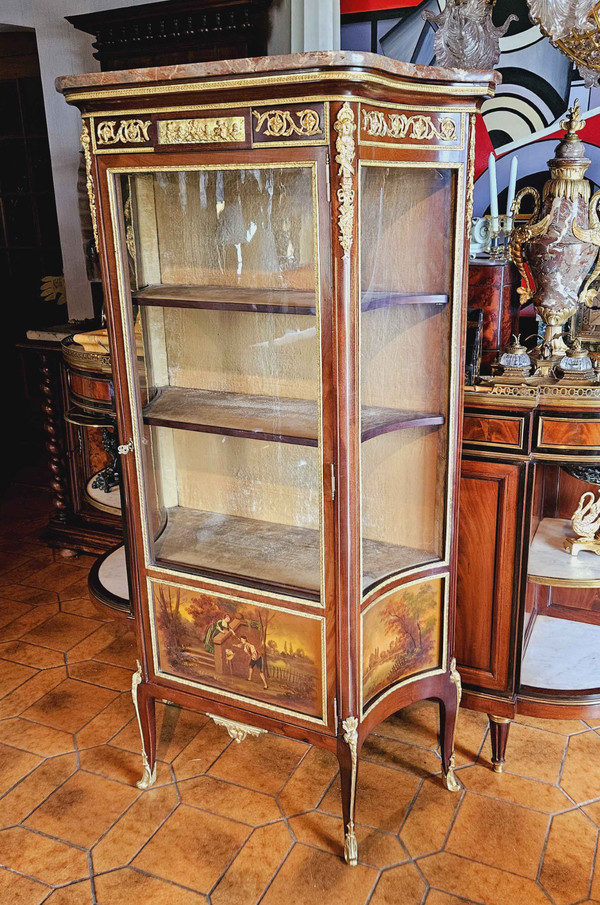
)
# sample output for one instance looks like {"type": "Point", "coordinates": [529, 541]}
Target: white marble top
{"type": "Point", "coordinates": [549, 560]}
{"type": "Point", "coordinates": [562, 655]}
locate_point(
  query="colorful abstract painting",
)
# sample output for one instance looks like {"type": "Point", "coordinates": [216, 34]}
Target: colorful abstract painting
{"type": "Point", "coordinates": [401, 636]}
{"type": "Point", "coordinates": [252, 650]}
{"type": "Point", "coordinates": [539, 83]}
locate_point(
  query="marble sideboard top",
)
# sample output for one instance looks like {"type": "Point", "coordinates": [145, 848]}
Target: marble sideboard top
{"type": "Point", "coordinates": [342, 59]}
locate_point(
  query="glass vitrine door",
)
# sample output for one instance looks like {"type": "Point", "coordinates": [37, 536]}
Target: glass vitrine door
{"type": "Point", "coordinates": [407, 216]}
{"type": "Point", "coordinates": [224, 271]}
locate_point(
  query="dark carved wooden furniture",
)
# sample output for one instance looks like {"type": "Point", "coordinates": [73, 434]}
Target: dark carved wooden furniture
{"type": "Point", "coordinates": [77, 414]}
{"type": "Point", "coordinates": [42, 378]}
{"type": "Point", "coordinates": [291, 233]}
{"type": "Point", "coordinates": [528, 613]}
{"type": "Point", "coordinates": [176, 31]}
{"type": "Point", "coordinates": [85, 519]}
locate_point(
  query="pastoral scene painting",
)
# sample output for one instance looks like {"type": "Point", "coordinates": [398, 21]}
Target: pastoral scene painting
{"type": "Point", "coordinates": [271, 655]}
{"type": "Point", "coordinates": [401, 636]}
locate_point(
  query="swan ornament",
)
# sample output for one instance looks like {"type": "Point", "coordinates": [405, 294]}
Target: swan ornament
{"type": "Point", "coordinates": [586, 524]}
{"type": "Point", "coordinates": [586, 518]}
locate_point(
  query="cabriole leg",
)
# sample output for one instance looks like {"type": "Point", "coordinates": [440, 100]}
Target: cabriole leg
{"type": "Point", "coordinates": [146, 717]}
{"type": "Point", "coordinates": [499, 726]}
{"type": "Point", "coordinates": [347, 754]}
{"type": "Point", "coordinates": [449, 705]}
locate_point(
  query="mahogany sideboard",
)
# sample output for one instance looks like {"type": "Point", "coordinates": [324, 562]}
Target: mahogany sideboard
{"type": "Point", "coordinates": [528, 613]}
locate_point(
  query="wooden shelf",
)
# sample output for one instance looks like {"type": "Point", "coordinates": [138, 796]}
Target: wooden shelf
{"type": "Point", "coordinates": [228, 298]}
{"type": "Point", "coordinates": [550, 564]}
{"type": "Point", "coordinates": [280, 419]}
{"type": "Point", "coordinates": [384, 299]}
{"type": "Point", "coordinates": [265, 554]}
{"type": "Point", "coordinates": [274, 301]}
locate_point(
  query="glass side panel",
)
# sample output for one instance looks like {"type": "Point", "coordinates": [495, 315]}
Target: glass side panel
{"type": "Point", "coordinates": [405, 334]}
{"type": "Point", "coordinates": [224, 269]}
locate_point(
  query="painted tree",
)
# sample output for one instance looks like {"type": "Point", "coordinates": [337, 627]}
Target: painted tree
{"type": "Point", "coordinates": [205, 609]}
{"type": "Point", "coordinates": [413, 615]}
{"type": "Point", "coordinates": [169, 610]}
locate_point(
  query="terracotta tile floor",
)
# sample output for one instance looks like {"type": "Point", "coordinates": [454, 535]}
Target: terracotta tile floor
{"type": "Point", "coordinates": [258, 822]}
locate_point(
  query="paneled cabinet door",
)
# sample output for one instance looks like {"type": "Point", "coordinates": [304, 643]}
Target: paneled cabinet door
{"type": "Point", "coordinates": [490, 513]}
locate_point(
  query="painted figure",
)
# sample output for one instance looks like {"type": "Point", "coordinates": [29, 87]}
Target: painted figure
{"type": "Point", "coordinates": [220, 625]}
{"type": "Point", "coordinates": [256, 659]}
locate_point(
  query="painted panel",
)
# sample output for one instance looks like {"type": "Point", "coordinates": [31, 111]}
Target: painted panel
{"type": "Point", "coordinates": [402, 635]}
{"type": "Point", "coordinates": [247, 650]}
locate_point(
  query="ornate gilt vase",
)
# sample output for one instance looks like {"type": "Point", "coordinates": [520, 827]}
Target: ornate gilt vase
{"type": "Point", "coordinates": [556, 248]}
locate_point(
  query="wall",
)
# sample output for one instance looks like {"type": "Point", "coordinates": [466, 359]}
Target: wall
{"type": "Point", "coordinates": [64, 50]}
{"type": "Point", "coordinates": [315, 25]}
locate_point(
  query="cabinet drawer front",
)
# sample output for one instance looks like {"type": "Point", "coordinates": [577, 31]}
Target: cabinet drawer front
{"type": "Point", "coordinates": [496, 430]}
{"type": "Point", "coordinates": [575, 433]}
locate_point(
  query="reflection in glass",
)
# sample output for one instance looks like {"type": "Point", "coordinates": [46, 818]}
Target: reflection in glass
{"type": "Point", "coordinates": [404, 360]}
{"type": "Point", "coordinates": [223, 269]}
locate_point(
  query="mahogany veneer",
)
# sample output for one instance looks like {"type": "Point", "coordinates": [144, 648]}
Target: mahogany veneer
{"type": "Point", "coordinates": [516, 503]}
{"type": "Point", "coordinates": [558, 433]}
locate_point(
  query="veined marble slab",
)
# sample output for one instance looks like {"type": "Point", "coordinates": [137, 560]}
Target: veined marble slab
{"type": "Point", "coordinates": [318, 59]}
{"type": "Point", "coordinates": [549, 560]}
{"type": "Point", "coordinates": [562, 654]}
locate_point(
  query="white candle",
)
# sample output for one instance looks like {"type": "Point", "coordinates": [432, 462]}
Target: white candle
{"type": "Point", "coordinates": [493, 192]}
{"type": "Point", "coordinates": [512, 184]}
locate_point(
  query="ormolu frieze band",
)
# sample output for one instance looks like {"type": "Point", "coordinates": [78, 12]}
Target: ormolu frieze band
{"type": "Point", "coordinates": [413, 127]}
{"type": "Point", "coordinates": [284, 123]}
{"type": "Point", "coordinates": [202, 131]}
{"type": "Point", "coordinates": [127, 131]}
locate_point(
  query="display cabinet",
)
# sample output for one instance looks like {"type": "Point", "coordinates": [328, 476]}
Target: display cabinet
{"type": "Point", "coordinates": [290, 233]}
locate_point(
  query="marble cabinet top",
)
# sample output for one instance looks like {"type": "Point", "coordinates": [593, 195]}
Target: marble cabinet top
{"type": "Point", "coordinates": [342, 59]}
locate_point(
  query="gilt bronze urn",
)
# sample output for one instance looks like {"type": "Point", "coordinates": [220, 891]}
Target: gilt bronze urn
{"type": "Point", "coordinates": [556, 248]}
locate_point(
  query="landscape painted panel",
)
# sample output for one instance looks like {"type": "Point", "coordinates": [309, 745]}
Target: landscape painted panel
{"type": "Point", "coordinates": [260, 652]}
{"type": "Point", "coordinates": [401, 636]}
